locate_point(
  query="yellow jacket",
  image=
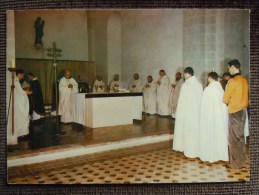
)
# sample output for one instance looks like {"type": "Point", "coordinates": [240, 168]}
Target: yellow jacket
{"type": "Point", "coordinates": [236, 94]}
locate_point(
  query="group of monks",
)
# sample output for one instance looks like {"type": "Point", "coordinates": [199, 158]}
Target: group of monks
{"type": "Point", "coordinates": [158, 97]}
{"type": "Point", "coordinates": [210, 124]}
{"type": "Point", "coordinates": [213, 124]}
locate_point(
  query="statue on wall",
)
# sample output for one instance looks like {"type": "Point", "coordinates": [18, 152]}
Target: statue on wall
{"type": "Point", "coordinates": [38, 25]}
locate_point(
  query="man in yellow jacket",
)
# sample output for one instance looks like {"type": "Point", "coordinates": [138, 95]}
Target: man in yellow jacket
{"type": "Point", "coordinates": [236, 97]}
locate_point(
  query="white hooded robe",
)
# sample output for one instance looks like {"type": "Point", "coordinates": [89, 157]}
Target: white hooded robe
{"type": "Point", "coordinates": [213, 125]}
{"type": "Point", "coordinates": [138, 87]}
{"type": "Point", "coordinates": [163, 96]}
{"type": "Point", "coordinates": [112, 86]}
{"type": "Point", "coordinates": [175, 96]}
{"type": "Point", "coordinates": [186, 131]}
{"type": "Point", "coordinates": [99, 86]}
{"type": "Point", "coordinates": [21, 114]}
{"type": "Point", "coordinates": [149, 98]}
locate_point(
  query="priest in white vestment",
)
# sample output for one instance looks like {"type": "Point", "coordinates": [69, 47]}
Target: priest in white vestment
{"type": "Point", "coordinates": [163, 94]}
{"type": "Point", "coordinates": [175, 92]}
{"type": "Point", "coordinates": [135, 84]}
{"type": "Point", "coordinates": [116, 84]}
{"type": "Point", "coordinates": [213, 122]}
{"type": "Point", "coordinates": [149, 96]}
{"type": "Point", "coordinates": [99, 85]}
{"type": "Point", "coordinates": [187, 122]}
{"type": "Point", "coordinates": [21, 111]}
{"type": "Point", "coordinates": [67, 86]}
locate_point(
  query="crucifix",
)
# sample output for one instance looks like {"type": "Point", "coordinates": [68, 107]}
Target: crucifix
{"type": "Point", "coordinates": [54, 52]}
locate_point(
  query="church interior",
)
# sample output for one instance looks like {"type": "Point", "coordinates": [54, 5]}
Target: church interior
{"type": "Point", "coordinates": [123, 42]}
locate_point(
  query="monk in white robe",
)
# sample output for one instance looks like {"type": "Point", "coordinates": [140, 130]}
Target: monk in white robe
{"type": "Point", "coordinates": [67, 86]}
{"type": "Point", "coordinates": [149, 96]}
{"type": "Point", "coordinates": [213, 122]}
{"type": "Point", "coordinates": [163, 94]}
{"type": "Point", "coordinates": [135, 84]}
{"type": "Point", "coordinates": [116, 84]}
{"type": "Point", "coordinates": [21, 110]}
{"type": "Point", "coordinates": [187, 123]}
{"type": "Point", "coordinates": [175, 92]}
{"type": "Point", "coordinates": [99, 85]}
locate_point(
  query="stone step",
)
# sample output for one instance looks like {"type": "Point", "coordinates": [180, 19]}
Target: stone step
{"type": "Point", "coordinates": [56, 153]}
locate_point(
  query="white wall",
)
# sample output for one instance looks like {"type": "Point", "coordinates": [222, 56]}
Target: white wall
{"type": "Point", "coordinates": [212, 38]}
{"type": "Point", "coordinates": [68, 28]}
{"type": "Point", "coordinates": [97, 35]}
{"type": "Point", "coordinates": [114, 45]}
{"type": "Point", "coordinates": [168, 39]}
{"type": "Point", "coordinates": [151, 40]}
{"type": "Point", "coordinates": [194, 48]}
{"type": "Point", "coordinates": [236, 38]}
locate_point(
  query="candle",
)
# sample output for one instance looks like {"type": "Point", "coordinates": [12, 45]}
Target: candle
{"type": "Point", "coordinates": [213, 69]}
{"type": "Point", "coordinates": [13, 63]}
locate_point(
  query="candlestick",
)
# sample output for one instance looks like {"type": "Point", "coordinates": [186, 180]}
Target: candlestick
{"type": "Point", "coordinates": [13, 63]}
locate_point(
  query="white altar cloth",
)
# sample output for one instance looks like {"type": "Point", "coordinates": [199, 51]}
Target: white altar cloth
{"type": "Point", "coordinates": [110, 109]}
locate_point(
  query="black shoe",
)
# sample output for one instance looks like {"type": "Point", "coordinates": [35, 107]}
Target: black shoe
{"type": "Point", "coordinates": [22, 138]}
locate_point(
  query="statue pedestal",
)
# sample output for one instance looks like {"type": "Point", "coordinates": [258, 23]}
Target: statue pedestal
{"type": "Point", "coordinates": [38, 45]}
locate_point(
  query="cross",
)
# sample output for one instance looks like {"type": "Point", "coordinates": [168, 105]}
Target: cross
{"type": "Point", "coordinates": [54, 52]}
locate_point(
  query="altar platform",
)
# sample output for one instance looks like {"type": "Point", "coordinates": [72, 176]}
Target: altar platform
{"type": "Point", "coordinates": [44, 144]}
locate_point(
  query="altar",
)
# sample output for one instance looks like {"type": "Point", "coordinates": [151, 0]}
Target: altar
{"type": "Point", "coordinates": [106, 109]}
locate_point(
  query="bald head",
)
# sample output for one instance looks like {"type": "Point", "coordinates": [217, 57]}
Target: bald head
{"type": "Point", "coordinates": [67, 74]}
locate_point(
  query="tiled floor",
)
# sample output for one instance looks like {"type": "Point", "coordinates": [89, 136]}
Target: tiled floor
{"type": "Point", "coordinates": [155, 163]}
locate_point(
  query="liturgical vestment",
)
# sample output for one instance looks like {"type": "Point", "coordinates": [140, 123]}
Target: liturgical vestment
{"type": "Point", "coordinates": [163, 96]}
{"type": "Point", "coordinates": [138, 86]}
{"type": "Point", "coordinates": [21, 114]}
{"type": "Point", "coordinates": [36, 100]}
{"type": "Point", "coordinates": [213, 124]}
{"type": "Point", "coordinates": [115, 85]}
{"type": "Point", "coordinates": [65, 103]}
{"type": "Point", "coordinates": [175, 96]}
{"type": "Point", "coordinates": [99, 87]}
{"type": "Point", "coordinates": [186, 131]}
{"type": "Point", "coordinates": [149, 98]}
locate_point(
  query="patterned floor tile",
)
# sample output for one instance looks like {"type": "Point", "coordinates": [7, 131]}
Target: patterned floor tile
{"type": "Point", "coordinates": [143, 164]}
